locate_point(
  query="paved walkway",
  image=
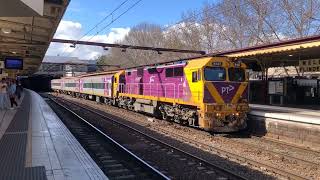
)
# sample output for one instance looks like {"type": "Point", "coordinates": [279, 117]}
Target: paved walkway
{"type": "Point", "coordinates": [35, 144]}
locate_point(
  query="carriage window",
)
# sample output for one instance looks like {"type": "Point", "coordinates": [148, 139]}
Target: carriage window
{"type": "Point", "coordinates": [152, 70]}
{"type": "Point", "coordinates": [169, 72]}
{"type": "Point", "coordinates": [129, 73]}
{"type": "Point", "coordinates": [70, 85]}
{"type": "Point", "coordinates": [98, 85]}
{"type": "Point", "coordinates": [236, 74]}
{"type": "Point", "coordinates": [140, 72]}
{"type": "Point", "coordinates": [56, 84]}
{"type": "Point", "coordinates": [87, 85]}
{"type": "Point", "coordinates": [194, 76]}
{"type": "Point", "coordinates": [178, 71]}
{"type": "Point", "coordinates": [214, 74]}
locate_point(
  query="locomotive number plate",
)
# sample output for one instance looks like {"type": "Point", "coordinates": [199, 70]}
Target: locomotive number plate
{"type": "Point", "coordinates": [217, 64]}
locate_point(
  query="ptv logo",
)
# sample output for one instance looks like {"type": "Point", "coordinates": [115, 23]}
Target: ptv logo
{"type": "Point", "coordinates": [227, 89]}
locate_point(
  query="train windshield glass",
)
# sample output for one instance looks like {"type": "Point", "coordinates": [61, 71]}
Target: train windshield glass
{"type": "Point", "coordinates": [236, 74]}
{"type": "Point", "coordinates": [214, 74]}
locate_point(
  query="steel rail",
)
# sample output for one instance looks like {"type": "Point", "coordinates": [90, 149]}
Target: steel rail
{"type": "Point", "coordinates": [237, 176]}
{"type": "Point", "coordinates": [307, 150]}
{"type": "Point", "coordinates": [274, 152]}
{"type": "Point", "coordinates": [125, 46]}
{"type": "Point", "coordinates": [212, 148]}
{"type": "Point", "coordinates": [157, 172]}
{"type": "Point", "coordinates": [218, 150]}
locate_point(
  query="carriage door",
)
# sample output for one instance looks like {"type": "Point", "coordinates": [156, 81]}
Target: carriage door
{"type": "Point", "coordinates": [118, 86]}
{"type": "Point", "coordinates": [140, 76]}
{"type": "Point", "coordinates": [115, 85]}
{"type": "Point", "coordinates": [105, 86]}
{"type": "Point", "coordinates": [122, 81]}
{"type": "Point", "coordinates": [80, 85]}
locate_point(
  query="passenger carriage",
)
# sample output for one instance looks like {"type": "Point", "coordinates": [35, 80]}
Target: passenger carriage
{"type": "Point", "coordinates": [98, 85]}
{"type": "Point", "coordinates": [70, 85]}
{"type": "Point", "coordinates": [56, 85]}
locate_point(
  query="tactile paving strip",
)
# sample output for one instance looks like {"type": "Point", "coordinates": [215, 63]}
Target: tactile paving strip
{"type": "Point", "coordinates": [20, 121]}
{"type": "Point", "coordinates": [13, 148]}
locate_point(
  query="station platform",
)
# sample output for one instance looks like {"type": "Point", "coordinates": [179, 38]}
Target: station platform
{"type": "Point", "coordinates": [295, 125]}
{"type": "Point", "coordinates": [35, 144]}
{"type": "Point", "coordinates": [307, 116]}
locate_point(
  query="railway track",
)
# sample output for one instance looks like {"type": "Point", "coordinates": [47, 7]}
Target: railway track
{"type": "Point", "coordinates": [280, 154]}
{"type": "Point", "coordinates": [229, 154]}
{"type": "Point", "coordinates": [272, 168]}
{"type": "Point", "coordinates": [115, 161]}
{"type": "Point", "coordinates": [300, 148]}
{"type": "Point", "coordinates": [171, 161]}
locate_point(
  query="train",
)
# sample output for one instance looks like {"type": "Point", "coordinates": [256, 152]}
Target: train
{"type": "Point", "coordinates": [210, 93]}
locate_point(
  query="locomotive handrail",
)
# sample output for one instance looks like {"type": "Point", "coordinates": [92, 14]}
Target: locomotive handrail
{"type": "Point", "coordinates": [127, 88]}
{"type": "Point", "coordinates": [228, 81]}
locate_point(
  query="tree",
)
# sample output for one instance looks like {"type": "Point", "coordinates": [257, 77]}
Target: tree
{"type": "Point", "coordinates": [220, 26]}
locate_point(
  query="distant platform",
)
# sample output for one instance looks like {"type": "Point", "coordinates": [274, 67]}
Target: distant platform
{"type": "Point", "coordinates": [286, 113]}
{"type": "Point", "coordinates": [294, 125]}
{"type": "Point", "coordinates": [35, 144]}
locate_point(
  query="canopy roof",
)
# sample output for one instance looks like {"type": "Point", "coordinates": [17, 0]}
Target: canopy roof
{"type": "Point", "coordinates": [29, 37]}
{"type": "Point", "coordinates": [285, 53]}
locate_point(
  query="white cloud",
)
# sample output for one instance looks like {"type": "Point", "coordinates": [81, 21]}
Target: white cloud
{"type": "Point", "coordinates": [74, 30]}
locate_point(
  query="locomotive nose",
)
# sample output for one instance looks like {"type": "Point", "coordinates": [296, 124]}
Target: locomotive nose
{"type": "Point", "coordinates": [231, 118]}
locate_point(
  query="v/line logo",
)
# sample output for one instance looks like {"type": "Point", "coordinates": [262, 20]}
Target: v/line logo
{"type": "Point", "coordinates": [227, 89]}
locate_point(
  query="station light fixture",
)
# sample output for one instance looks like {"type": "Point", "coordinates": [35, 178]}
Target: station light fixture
{"type": "Point", "coordinates": [73, 45]}
{"type": "Point", "coordinates": [124, 50]}
{"type": "Point", "coordinates": [105, 48]}
{"type": "Point", "coordinates": [159, 52]}
{"type": "Point", "coordinates": [6, 30]}
{"type": "Point", "coordinates": [290, 55]}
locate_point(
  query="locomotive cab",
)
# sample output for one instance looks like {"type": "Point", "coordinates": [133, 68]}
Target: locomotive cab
{"type": "Point", "coordinates": [220, 86]}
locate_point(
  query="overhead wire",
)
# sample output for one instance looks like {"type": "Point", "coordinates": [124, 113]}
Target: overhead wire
{"type": "Point", "coordinates": [181, 21]}
{"type": "Point", "coordinates": [118, 17]}
{"type": "Point", "coordinates": [112, 21]}
{"type": "Point", "coordinates": [100, 22]}
{"type": "Point", "coordinates": [137, 2]}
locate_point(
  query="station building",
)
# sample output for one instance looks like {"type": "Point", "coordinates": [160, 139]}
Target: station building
{"type": "Point", "coordinates": [58, 66]}
{"type": "Point", "coordinates": [285, 73]}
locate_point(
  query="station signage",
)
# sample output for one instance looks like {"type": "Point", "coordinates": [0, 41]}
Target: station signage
{"type": "Point", "coordinates": [311, 65]}
{"type": "Point", "coordinates": [275, 87]}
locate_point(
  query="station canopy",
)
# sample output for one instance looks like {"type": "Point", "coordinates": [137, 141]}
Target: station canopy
{"type": "Point", "coordinates": [285, 53]}
{"type": "Point", "coordinates": [27, 30]}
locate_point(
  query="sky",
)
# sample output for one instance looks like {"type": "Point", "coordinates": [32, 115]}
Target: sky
{"type": "Point", "coordinates": [82, 15]}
